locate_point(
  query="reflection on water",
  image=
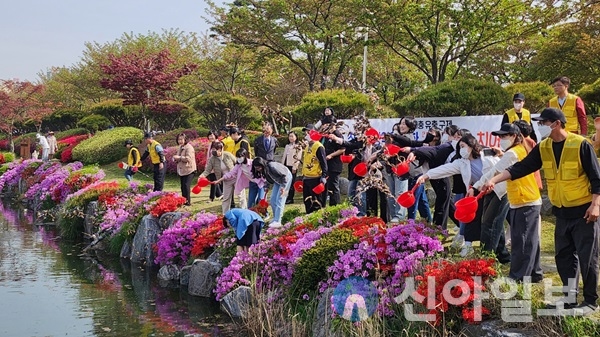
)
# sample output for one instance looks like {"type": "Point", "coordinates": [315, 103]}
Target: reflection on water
{"type": "Point", "coordinates": [46, 289]}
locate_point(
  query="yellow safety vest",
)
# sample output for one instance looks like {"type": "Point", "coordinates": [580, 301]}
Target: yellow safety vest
{"type": "Point", "coordinates": [513, 117]}
{"type": "Point", "coordinates": [523, 190]}
{"type": "Point", "coordinates": [130, 157]}
{"type": "Point", "coordinates": [154, 157]}
{"type": "Point", "coordinates": [228, 145]}
{"type": "Point", "coordinates": [238, 145]}
{"type": "Point", "coordinates": [568, 185]}
{"type": "Point", "coordinates": [570, 111]}
{"type": "Point", "coordinates": [311, 167]}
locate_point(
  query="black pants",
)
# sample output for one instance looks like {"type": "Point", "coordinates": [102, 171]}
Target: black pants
{"type": "Point", "coordinates": [292, 192]}
{"type": "Point", "coordinates": [312, 201]}
{"type": "Point", "coordinates": [375, 198]}
{"type": "Point", "coordinates": [186, 183]}
{"type": "Point", "coordinates": [525, 243]}
{"type": "Point", "coordinates": [216, 190]}
{"type": "Point", "coordinates": [442, 201]}
{"type": "Point", "coordinates": [576, 247]}
{"type": "Point", "coordinates": [159, 177]}
{"type": "Point", "coordinates": [333, 188]}
{"type": "Point", "coordinates": [492, 226]}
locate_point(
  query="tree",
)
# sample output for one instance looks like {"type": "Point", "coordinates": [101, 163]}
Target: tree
{"type": "Point", "coordinates": [219, 109]}
{"type": "Point", "coordinates": [441, 37]}
{"type": "Point", "coordinates": [21, 102]}
{"type": "Point", "coordinates": [319, 37]}
{"type": "Point", "coordinates": [143, 78]}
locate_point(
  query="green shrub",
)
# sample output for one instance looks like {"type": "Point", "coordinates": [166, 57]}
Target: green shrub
{"type": "Point", "coordinates": [117, 114]}
{"type": "Point", "coordinates": [291, 214]}
{"type": "Point", "coordinates": [537, 95]}
{"type": "Point", "coordinates": [169, 139]}
{"type": "Point", "coordinates": [63, 119]}
{"type": "Point", "coordinates": [456, 98]}
{"type": "Point", "coordinates": [590, 94]}
{"type": "Point", "coordinates": [312, 266]}
{"type": "Point", "coordinates": [345, 104]}
{"type": "Point", "coordinates": [329, 214]}
{"type": "Point", "coordinates": [219, 109]}
{"type": "Point", "coordinates": [70, 133]}
{"type": "Point", "coordinates": [94, 123]}
{"type": "Point", "coordinates": [170, 115]}
{"type": "Point", "coordinates": [3, 169]}
{"type": "Point", "coordinates": [8, 157]}
{"type": "Point", "coordinates": [106, 146]}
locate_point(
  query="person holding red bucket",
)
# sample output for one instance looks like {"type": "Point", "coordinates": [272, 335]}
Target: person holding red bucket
{"type": "Point", "coordinates": [275, 173]}
{"type": "Point", "coordinates": [525, 205]}
{"type": "Point", "coordinates": [314, 169]}
{"type": "Point", "coordinates": [471, 165]}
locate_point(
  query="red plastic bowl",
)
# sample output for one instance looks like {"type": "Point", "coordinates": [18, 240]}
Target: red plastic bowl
{"type": "Point", "coordinates": [319, 188]}
{"type": "Point", "coordinates": [203, 182]}
{"type": "Point", "coordinates": [392, 149]}
{"type": "Point", "coordinates": [401, 169]}
{"type": "Point", "coordinates": [299, 186]}
{"type": "Point", "coordinates": [197, 189]}
{"type": "Point", "coordinates": [465, 217]}
{"type": "Point", "coordinates": [315, 135]}
{"type": "Point", "coordinates": [346, 158]}
{"type": "Point", "coordinates": [467, 205]}
{"type": "Point", "coordinates": [263, 203]}
{"type": "Point", "coordinates": [406, 199]}
{"type": "Point", "coordinates": [121, 165]}
{"type": "Point", "coordinates": [360, 169]}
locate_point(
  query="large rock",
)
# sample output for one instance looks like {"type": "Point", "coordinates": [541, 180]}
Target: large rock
{"type": "Point", "coordinates": [494, 328]}
{"type": "Point", "coordinates": [168, 273]}
{"type": "Point", "coordinates": [91, 213]}
{"type": "Point", "coordinates": [322, 325]}
{"type": "Point", "coordinates": [184, 276]}
{"type": "Point", "coordinates": [237, 301]}
{"type": "Point", "coordinates": [344, 184]}
{"type": "Point", "coordinates": [126, 250]}
{"type": "Point", "coordinates": [168, 219]}
{"type": "Point", "coordinates": [143, 241]}
{"type": "Point", "coordinates": [203, 278]}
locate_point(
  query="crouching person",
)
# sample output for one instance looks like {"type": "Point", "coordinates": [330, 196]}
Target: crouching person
{"type": "Point", "coordinates": [247, 226]}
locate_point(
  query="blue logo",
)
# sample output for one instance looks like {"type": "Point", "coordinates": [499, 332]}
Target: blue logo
{"type": "Point", "coordinates": [355, 299]}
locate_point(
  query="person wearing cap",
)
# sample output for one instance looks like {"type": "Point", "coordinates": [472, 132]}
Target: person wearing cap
{"type": "Point", "coordinates": [572, 175]}
{"type": "Point", "coordinates": [44, 144]}
{"type": "Point", "coordinates": [525, 204]}
{"type": "Point", "coordinates": [157, 156]}
{"type": "Point", "coordinates": [596, 136]}
{"type": "Point", "coordinates": [314, 169]}
{"type": "Point", "coordinates": [518, 113]}
{"type": "Point", "coordinates": [133, 159]}
{"type": "Point", "coordinates": [52, 143]}
{"type": "Point", "coordinates": [571, 105]}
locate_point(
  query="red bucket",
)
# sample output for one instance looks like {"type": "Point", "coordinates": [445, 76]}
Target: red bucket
{"type": "Point", "coordinates": [360, 169]}
{"type": "Point", "coordinates": [407, 199]}
{"type": "Point", "coordinates": [392, 150]}
{"type": "Point", "coordinates": [468, 205]}
{"type": "Point", "coordinates": [203, 182]}
{"type": "Point", "coordinates": [402, 168]}
{"type": "Point", "coordinates": [315, 135]}
{"type": "Point", "coordinates": [263, 203]}
{"type": "Point", "coordinates": [372, 133]}
{"type": "Point", "coordinates": [319, 188]}
{"type": "Point", "coordinates": [121, 165]}
{"type": "Point", "coordinates": [346, 158]}
{"type": "Point", "coordinates": [464, 217]}
{"type": "Point", "coordinates": [299, 186]}
{"type": "Point", "coordinates": [197, 189]}
{"type": "Point", "coordinates": [135, 169]}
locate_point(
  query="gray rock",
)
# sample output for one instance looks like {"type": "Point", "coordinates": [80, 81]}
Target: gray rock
{"type": "Point", "coordinates": [344, 184]}
{"type": "Point", "coordinates": [237, 301]}
{"type": "Point", "coordinates": [493, 328]}
{"type": "Point", "coordinates": [214, 257]}
{"type": "Point", "coordinates": [203, 278]}
{"type": "Point", "coordinates": [184, 276]}
{"type": "Point", "coordinates": [126, 250]}
{"type": "Point", "coordinates": [168, 273]}
{"type": "Point", "coordinates": [168, 219]}
{"type": "Point", "coordinates": [145, 237]}
{"type": "Point", "coordinates": [322, 324]}
{"type": "Point", "coordinates": [90, 215]}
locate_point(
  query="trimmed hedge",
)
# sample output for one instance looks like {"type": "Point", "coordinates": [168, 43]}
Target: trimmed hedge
{"type": "Point", "coordinates": [69, 133]}
{"type": "Point", "coordinates": [170, 138]}
{"type": "Point", "coordinates": [94, 123]}
{"type": "Point", "coordinates": [106, 146]}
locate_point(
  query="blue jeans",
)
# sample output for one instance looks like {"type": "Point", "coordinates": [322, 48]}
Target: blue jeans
{"type": "Point", "coordinates": [421, 202]}
{"type": "Point", "coordinates": [461, 226]}
{"type": "Point", "coordinates": [397, 187]}
{"type": "Point", "coordinates": [362, 204]}
{"type": "Point", "coordinates": [278, 199]}
{"type": "Point", "coordinates": [128, 174]}
{"type": "Point", "coordinates": [255, 194]}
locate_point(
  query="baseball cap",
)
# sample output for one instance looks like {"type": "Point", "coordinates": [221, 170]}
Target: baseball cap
{"type": "Point", "coordinates": [519, 96]}
{"type": "Point", "coordinates": [128, 142]}
{"type": "Point", "coordinates": [507, 129]}
{"type": "Point", "coordinates": [308, 127]}
{"type": "Point", "coordinates": [147, 135]}
{"type": "Point", "coordinates": [551, 114]}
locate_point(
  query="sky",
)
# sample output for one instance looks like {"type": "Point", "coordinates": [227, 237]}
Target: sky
{"type": "Point", "coordinates": [36, 35]}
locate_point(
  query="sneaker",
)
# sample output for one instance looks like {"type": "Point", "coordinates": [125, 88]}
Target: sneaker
{"type": "Point", "coordinates": [275, 224]}
{"type": "Point", "coordinates": [584, 309]}
{"type": "Point", "coordinates": [219, 198]}
{"type": "Point", "coordinates": [466, 250]}
{"type": "Point", "coordinates": [458, 241]}
{"type": "Point", "coordinates": [562, 304]}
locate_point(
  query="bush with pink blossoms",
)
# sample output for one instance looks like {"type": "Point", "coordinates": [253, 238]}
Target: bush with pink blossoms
{"type": "Point", "coordinates": [10, 179]}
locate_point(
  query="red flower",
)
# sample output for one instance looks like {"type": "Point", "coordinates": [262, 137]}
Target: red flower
{"type": "Point", "coordinates": [167, 203]}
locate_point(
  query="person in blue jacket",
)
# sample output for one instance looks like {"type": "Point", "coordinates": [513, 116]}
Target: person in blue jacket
{"type": "Point", "coordinates": [247, 226]}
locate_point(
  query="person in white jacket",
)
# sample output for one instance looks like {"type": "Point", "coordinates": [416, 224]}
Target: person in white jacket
{"type": "Point", "coordinates": [45, 147]}
{"type": "Point", "coordinates": [471, 166]}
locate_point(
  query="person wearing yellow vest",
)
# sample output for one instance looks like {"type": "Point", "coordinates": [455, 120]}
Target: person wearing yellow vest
{"type": "Point", "coordinates": [240, 141]}
{"type": "Point", "coordinates": [518, 113]}
{"type": "Point", "coordinates": [572, 174]}
{"type": "Point", "coordinates": [572, 106]}
{"type": "Point", "coordinates": [525, 204]}
{"type": "Point", "coordinates": [228, 142]}
{"type": "Point", "coordinates": [314, 169]}
{"type": "Point", "coordinates": [157, 156]}
{"type": "Point", "coordinates": [133, 159]}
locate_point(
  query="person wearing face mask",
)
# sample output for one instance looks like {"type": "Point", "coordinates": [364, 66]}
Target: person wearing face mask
{"type": "Point", "coordinates": [240, 141]}
{"type": "Point", "coordinates": [525, 204]}
{"type": "Point", "coordinates": [518, 113]}
{"type": "Point", "coordinates": [471, 165]}
{"type": "Point", "coordinates": [596, 136]}
{"type": "Point", "coordinates": [280, 177]}
{"type": "Point", "coordinates": [314, 170]}
{"type": "Point", "coordinates": [572, 176]}
{"type": "Point", "coordinates": [220, 163]}
{"type": "Point", "coordinates": [240, 174]}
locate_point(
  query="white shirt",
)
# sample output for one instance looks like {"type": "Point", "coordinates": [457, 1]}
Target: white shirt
{"type": "Point", "coordinates": [44, 143]}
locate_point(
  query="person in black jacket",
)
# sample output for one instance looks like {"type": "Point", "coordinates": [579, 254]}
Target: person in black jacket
{"type": "Point", "coordinates": [264, 147]}
{"type": "Point", "coordinates": [334, 165]}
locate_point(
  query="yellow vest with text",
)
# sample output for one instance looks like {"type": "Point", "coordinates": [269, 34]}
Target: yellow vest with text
{"type": "Point", "coordinates": [154, 157]}
{"type": "Point", "coordinates": [130, 157]}
{"type": "Point", "coordinates": [238, 145]}
{"type": "Point", "coordinates": [311, 167]}
{"type": "Point", "coordinates": [228, 145]}
{"type": "Point", "coordinates": [570, 111]}
{"type": "Point", "coordinates": [568, 185]}
{"type": "Point", "coordinates": [523, 190]}
{"type": "Point", "coordinates": [513, 117]}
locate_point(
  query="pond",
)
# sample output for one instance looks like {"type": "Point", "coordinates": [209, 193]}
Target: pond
{"type": "Point", "coordinates": [48, 289]}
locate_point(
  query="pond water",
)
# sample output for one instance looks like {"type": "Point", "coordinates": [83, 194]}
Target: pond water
{"type": "Point", "coordinates": [48, 289]}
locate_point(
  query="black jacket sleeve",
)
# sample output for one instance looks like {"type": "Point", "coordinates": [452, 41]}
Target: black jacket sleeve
{"type": "Point", "coordinates": [322, 161]}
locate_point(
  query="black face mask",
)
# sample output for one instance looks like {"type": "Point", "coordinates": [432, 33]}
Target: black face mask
{"type": "Point", "coordinates": [214, 153]}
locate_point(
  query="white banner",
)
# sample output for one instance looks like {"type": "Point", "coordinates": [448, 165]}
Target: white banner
{"type": "Point", "coordinates": [480, 126]}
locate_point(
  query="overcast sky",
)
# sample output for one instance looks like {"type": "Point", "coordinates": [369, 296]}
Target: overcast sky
{"type": "Point", "coordinates": [38, 34]}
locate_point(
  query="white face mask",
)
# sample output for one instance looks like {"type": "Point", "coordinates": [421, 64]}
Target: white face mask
{"type": "Point", "coordinates": [454, 142]}
{"type": "Point", "coordinates": [518, 106]}
{"type": "Point", "coordinates": [444, 138]}
{"type": "Point", "coordinates": [240, 160]}
{"type": "Point", "coordinates": [544, 130]}
{"type": "Point", "coordinates": [465, 152]}
{"type": "Point", "coordinates": [506, 143]}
